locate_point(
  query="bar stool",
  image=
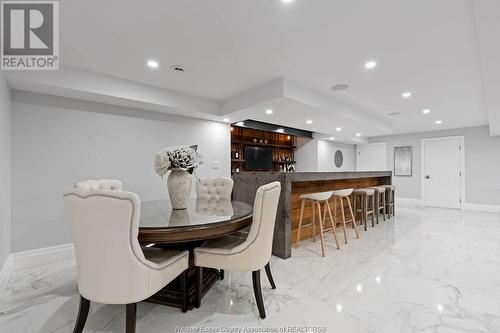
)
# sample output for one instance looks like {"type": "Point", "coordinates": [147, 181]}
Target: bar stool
{"type": "Point", "coordinates": [389, 199]}
{"type": "Point", "coordinates": [364, 195]}
{"type": "Point", "coordinates": [317, 199]}
{"type": "Point", "coordinates": [340, 195]}
{"type": "Point", "coordinates": [379, 201]}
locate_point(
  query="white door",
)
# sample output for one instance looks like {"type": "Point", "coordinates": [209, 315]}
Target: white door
{"type": "Point", "coordinates": [372, 157]}
{"type": "Point", "coordinates": [442, 172]}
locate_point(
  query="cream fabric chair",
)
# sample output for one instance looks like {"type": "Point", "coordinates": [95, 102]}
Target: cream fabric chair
{"type": "Point", "coordinates": [112, 267]}
{"type": "Point", "coordinates": [244, 254]}
{"type": "Point", "coordinates": [214, 188]}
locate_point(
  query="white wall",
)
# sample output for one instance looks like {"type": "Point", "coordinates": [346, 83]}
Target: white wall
{"type": "Point", "coordinates": [5, 169]}
{"type": "Point", "coordinates": [318, 155]}
{"type": "Point", "coordinates": [482, 163]}
{"type": "Point", "coordinates": [56, 144]}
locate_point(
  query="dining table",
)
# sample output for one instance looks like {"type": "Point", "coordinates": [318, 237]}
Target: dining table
{"type": "Point", "coordinates": [185, 229]}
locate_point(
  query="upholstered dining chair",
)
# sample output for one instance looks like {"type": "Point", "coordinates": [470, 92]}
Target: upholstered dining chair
{"type": "Point", "coordinates": [214, 188]}
{"type": "Point", "coordinates": [251, 253]}
{"type": "Point", "coordinates": [112, 268]}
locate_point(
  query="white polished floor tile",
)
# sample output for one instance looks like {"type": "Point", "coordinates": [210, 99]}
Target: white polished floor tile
{"type": "Point", "coordinates": [428, 270]}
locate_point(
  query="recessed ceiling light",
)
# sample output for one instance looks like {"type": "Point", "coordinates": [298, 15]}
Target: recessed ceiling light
{"type": "Point", "coordinates": [178, 69]}
{"type": "Point", "coordinates": [226, 120]}
{"type": "Point", "coordinates": [370, 64]}
{"type": "Point", "coordinates": [358, 134]}
{"type": "Point", "coordinates": [406, 94]}
{"type": "Point", "coordinates": [152, 64]}
{"type": "Point", "coordinates": [280, 130]}
{"type": "Point", "coordinates": [338, 129]}
{"type": "Point", "coordinates": [438, 122]}
{"type": "Point", "coordinates": [240, 123]}
{"type": "Point", "coordinates": [309, 122]}
{"type": "Point", "coordinates": [426, 111]}
{"type": "Point", "coordinates": [287, 1]}
{"type": "Point", "coordinates": [339, 87]}
{"type": "Point", "coordinates": [332, 138]}
{"type": "Point", "coordinates": [269, 111]}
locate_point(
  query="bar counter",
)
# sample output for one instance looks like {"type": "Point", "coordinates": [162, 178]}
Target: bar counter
{"type": "Point", "coordinates": [293, 184]}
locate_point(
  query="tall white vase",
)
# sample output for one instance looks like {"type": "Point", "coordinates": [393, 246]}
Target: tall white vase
{"type": "Point", "coordinates": [179, 187]}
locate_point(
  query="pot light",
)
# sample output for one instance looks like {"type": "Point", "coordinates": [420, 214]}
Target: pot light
{"type": "Point", "coordinates": [339, 87]}
{"type": "Point", "coordinates": [426, 111]}
{"type": "Point", "coordinates": [269, 111]}
{"type": "Point", "coordinates": [226, 120]}
{"type": "Point", "coordinates": [370, 64]}
{"type": "Point", "coordinates": [406, 94]}
{"type": "Point", "coordinates": [359, 288]}
{"type": "Point", "coordinates": [338, 129]}
{"type": "Point", "coordinates": [240, 123]}
{"type": "Point", "coordinates": [288, 137]}
{"type": "Point", "coordinates": [152, 64]}
{"type": "Point", "coordinates": [280, 130]}
{"type": "Point", "coordinates": [438, 122]}
{"type": "Point", "coordinates": [338, 307]}
{"type": "Point", "coordinates": [309, 122]}
{"type": "Point", "coordinates": [332, 138]}
{"type": "Point", "coordinates": [287, 1]}
{"type": "Point", "coordinates": [358, 134]}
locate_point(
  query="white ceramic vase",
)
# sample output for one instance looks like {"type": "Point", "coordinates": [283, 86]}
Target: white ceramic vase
{"type": "Point", "coordinates": [179, 187]}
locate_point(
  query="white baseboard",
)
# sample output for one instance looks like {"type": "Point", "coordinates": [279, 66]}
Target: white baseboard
{"type": "Point", "coordinates": [32, 258]}
{"type": "Point", "coordinates": [482, 207]}
{"type": "Point", "coordinates": [408, 201]}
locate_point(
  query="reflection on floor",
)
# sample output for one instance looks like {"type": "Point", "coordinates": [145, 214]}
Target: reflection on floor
{"type": "Point", "coordinates": [429, 270]}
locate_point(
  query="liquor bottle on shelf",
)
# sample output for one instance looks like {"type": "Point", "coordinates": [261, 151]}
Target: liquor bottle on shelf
{"type": "Point", "coordinates": [236, 155]}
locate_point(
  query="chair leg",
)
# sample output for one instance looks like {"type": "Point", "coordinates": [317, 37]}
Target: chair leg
{"type": "Point", "coordinates": [334, 227]}
{"type": "Point", "coordinates": [373, 211]}
{"type": "Point", "coordinates": [131, 318]}
{"type": "Point", "coordinates": [198, 272]}
{"type": "Point", "coordinates": [376, 204]}
{"type": "Point", "coordinates": [258, 293]}
{"type": "Point", "coordinates": [383, 204]}
{"type": "Point", "coordinates": [314, 221]}
{"type": "Point", "coordinates": [183, 280]}
{"type": "Point", "coordinates": [343, 219]}
{"type": "Point", "coordinates": [270, 276]}
{"type": "Point", "coordinates": [221, 274]}
{"type": "Point", "coordinates": [353, 219]}
{"type": "Point", "coordinates": [393, 200]}
{"type": "Point", "coordinates": [365, 212]}
{"type": "Point", "coordinates": [321, 236]}
{"type": "Point", "coordinates": [300, 223]}
{"type": "Point", "coordinates": [83, 312]}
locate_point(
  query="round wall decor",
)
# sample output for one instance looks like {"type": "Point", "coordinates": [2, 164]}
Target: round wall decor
{"type": "Point", "coordinates": [339, 159]}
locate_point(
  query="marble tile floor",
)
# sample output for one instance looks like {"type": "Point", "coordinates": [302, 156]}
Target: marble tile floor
{"type": "Point", "coordinates": [428, 270]}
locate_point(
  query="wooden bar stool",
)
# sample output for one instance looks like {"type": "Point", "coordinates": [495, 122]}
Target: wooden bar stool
{"type": "Point", "coordinates": [363, 195]}
{"type": "Point", "coordinates": [340, 195]}
{"type": "Point", "coordinates": [379, 201]}
{"type": "Point", "coordinates": [389, 199]}
{"type": "Point", "coordinates": [317, 199]}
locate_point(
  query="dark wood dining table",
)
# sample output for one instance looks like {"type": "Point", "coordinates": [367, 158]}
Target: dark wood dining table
{"type": "Point", "coordinates": [185, 229]}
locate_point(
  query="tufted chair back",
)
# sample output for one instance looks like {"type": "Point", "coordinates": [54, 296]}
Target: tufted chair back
{"type": "Point", "coordinates": [101, 184]}
{"type": "Point", "coordinates": [214, 188]}
{"type": "Point", "coordinates": [104, 226]}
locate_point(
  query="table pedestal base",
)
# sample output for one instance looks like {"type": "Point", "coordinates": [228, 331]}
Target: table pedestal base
{"type": "Point", "coordinates": [171, 294]}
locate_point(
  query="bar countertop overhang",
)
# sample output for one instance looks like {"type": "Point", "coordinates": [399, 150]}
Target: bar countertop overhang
{"type": "Point", "coordinates": [293, 184]}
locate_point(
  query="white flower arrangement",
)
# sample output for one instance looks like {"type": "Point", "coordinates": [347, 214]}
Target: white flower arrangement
{"type": "Point", "coordinates": [182, 157]}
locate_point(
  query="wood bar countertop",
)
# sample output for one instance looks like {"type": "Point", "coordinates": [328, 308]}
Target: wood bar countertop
{"type": "Point", "coordinates": [293, 184]}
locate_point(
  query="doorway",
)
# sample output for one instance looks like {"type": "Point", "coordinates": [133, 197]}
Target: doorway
{"type": "Point", "coordinates": [443, 172]}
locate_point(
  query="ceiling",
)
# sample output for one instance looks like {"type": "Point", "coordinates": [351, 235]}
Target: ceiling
{"type": "Point", "coordinates": [229, 48]}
